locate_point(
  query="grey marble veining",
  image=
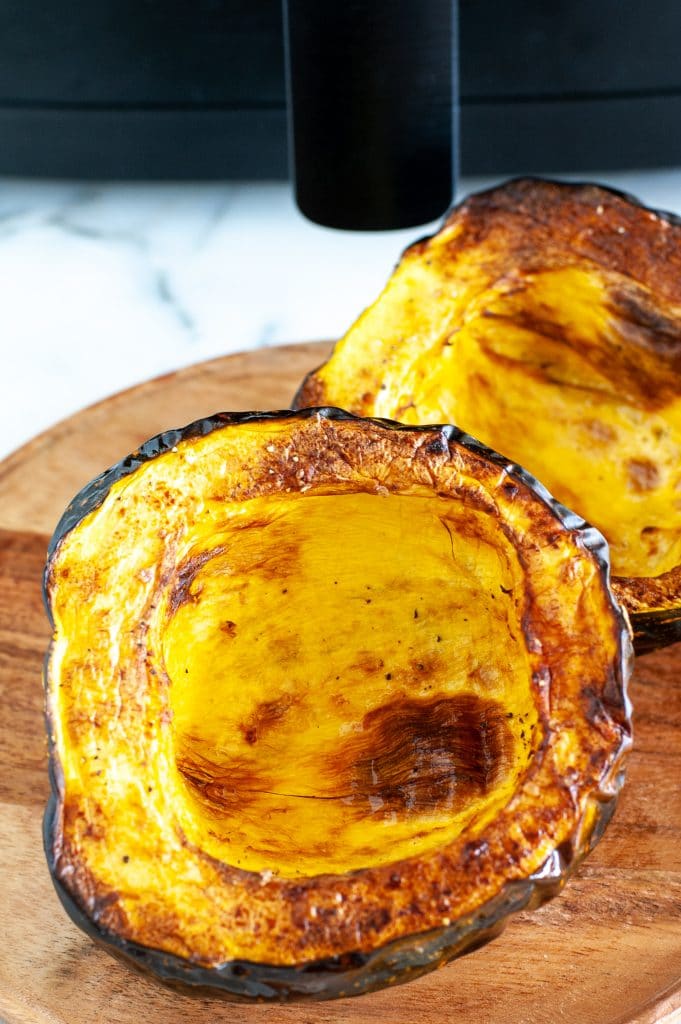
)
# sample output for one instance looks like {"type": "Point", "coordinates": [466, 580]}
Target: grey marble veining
{"type": "Point", "coordinates": [105, 286]}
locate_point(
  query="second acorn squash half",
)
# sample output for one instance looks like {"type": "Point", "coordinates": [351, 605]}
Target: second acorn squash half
{"type": "Point", "coordinates": [545, 319]}
{"type": "Point", "coordinates": [328, 699]}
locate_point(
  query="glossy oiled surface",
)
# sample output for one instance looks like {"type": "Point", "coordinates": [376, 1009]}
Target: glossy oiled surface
{"type": "Point", "coordinates": [367, 724]}
{"type": "Point", "coordinates": [538, 397]}
{"type": "Point", "coordinates": [207, 523]}
{"type": "Point", "coordinates": [607, 951]}
{"type": "Point", "coordinates": [547, 323]}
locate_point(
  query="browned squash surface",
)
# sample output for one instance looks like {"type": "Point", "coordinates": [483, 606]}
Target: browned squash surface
{"type": "Point", "coordinates": [320, 685]}
{"type": "Point", "coordinates": [545, 319]}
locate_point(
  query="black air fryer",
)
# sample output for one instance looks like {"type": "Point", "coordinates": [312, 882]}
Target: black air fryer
{"type": "Point", "coordinates": [157, 89]}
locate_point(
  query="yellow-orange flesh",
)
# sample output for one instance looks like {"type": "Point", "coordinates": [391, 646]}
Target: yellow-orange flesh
{"type": "Point", "coordinates": [537, 338]}
{"type": "Point", "coordinates": [368, 724]}
{"type": "Point", "coordinates": [301, 668]}
{"type": "Point", "coordinates": [539, 399]}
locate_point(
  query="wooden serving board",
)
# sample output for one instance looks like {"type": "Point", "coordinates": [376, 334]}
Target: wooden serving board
{"type": "Point", "coordinates": [608, 951]}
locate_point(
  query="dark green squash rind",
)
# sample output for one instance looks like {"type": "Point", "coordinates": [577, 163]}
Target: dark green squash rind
{"type": "Point", "coordinates": [399, 961]}
{"type": "Point", "coordinates": [355, 973]}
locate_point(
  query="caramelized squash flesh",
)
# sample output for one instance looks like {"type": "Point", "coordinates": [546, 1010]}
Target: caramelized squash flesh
{"type": "Point", "coordinates": [369, 725]}
{"type": "Point", "coordinates": [328, 699]}
{"type": "Point", "coordinates": [546, 321]}
{"type": "Point", "coordinates": [525, 372]}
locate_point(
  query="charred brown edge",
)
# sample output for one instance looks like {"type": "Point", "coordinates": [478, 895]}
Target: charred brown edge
{"type": "Point", "coordinates": [350, 974]}
{"type": "Point", "coordinates": [568, 186]}
{"type": "Point", "coordinates": [655, 628]}
{"type": "Point", "coordinates": [401, 960]}
{"type": "Point", "coordinates": [310, 379]}
{"type": "Point", "coordinates": [309, 383]}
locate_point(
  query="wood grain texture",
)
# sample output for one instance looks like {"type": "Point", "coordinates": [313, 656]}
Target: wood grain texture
{"type": "Point", "coordinates": [39, 479]}
{"type": "Point", "coordinates": [608, 951]}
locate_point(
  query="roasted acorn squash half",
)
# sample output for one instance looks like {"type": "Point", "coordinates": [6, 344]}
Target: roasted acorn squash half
{"type": "Point", "coordinates": [545, 319]}
{"type": "Point", "coordinates": [328, 698]}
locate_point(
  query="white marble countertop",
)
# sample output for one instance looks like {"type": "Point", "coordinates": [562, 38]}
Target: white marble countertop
{"type": "Point", "coordinates": [105, 286]}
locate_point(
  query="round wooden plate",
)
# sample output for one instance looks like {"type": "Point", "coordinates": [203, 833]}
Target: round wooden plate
{"type": "Point", "coordinates": [607, 951]}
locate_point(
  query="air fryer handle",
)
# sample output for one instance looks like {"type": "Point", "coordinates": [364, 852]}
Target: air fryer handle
{"type": "Point", "coordinates": [372, 109]}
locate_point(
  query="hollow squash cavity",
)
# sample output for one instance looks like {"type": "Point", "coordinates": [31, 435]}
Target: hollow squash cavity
{"type": "Point", "coordinates": [320, 686]}
{"type": "Point", "coordinates": [367, 724]}
{"type": "Point", "coordinates": [528, 371]}
{"type": "Point", "coordinates": [545, 320]}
